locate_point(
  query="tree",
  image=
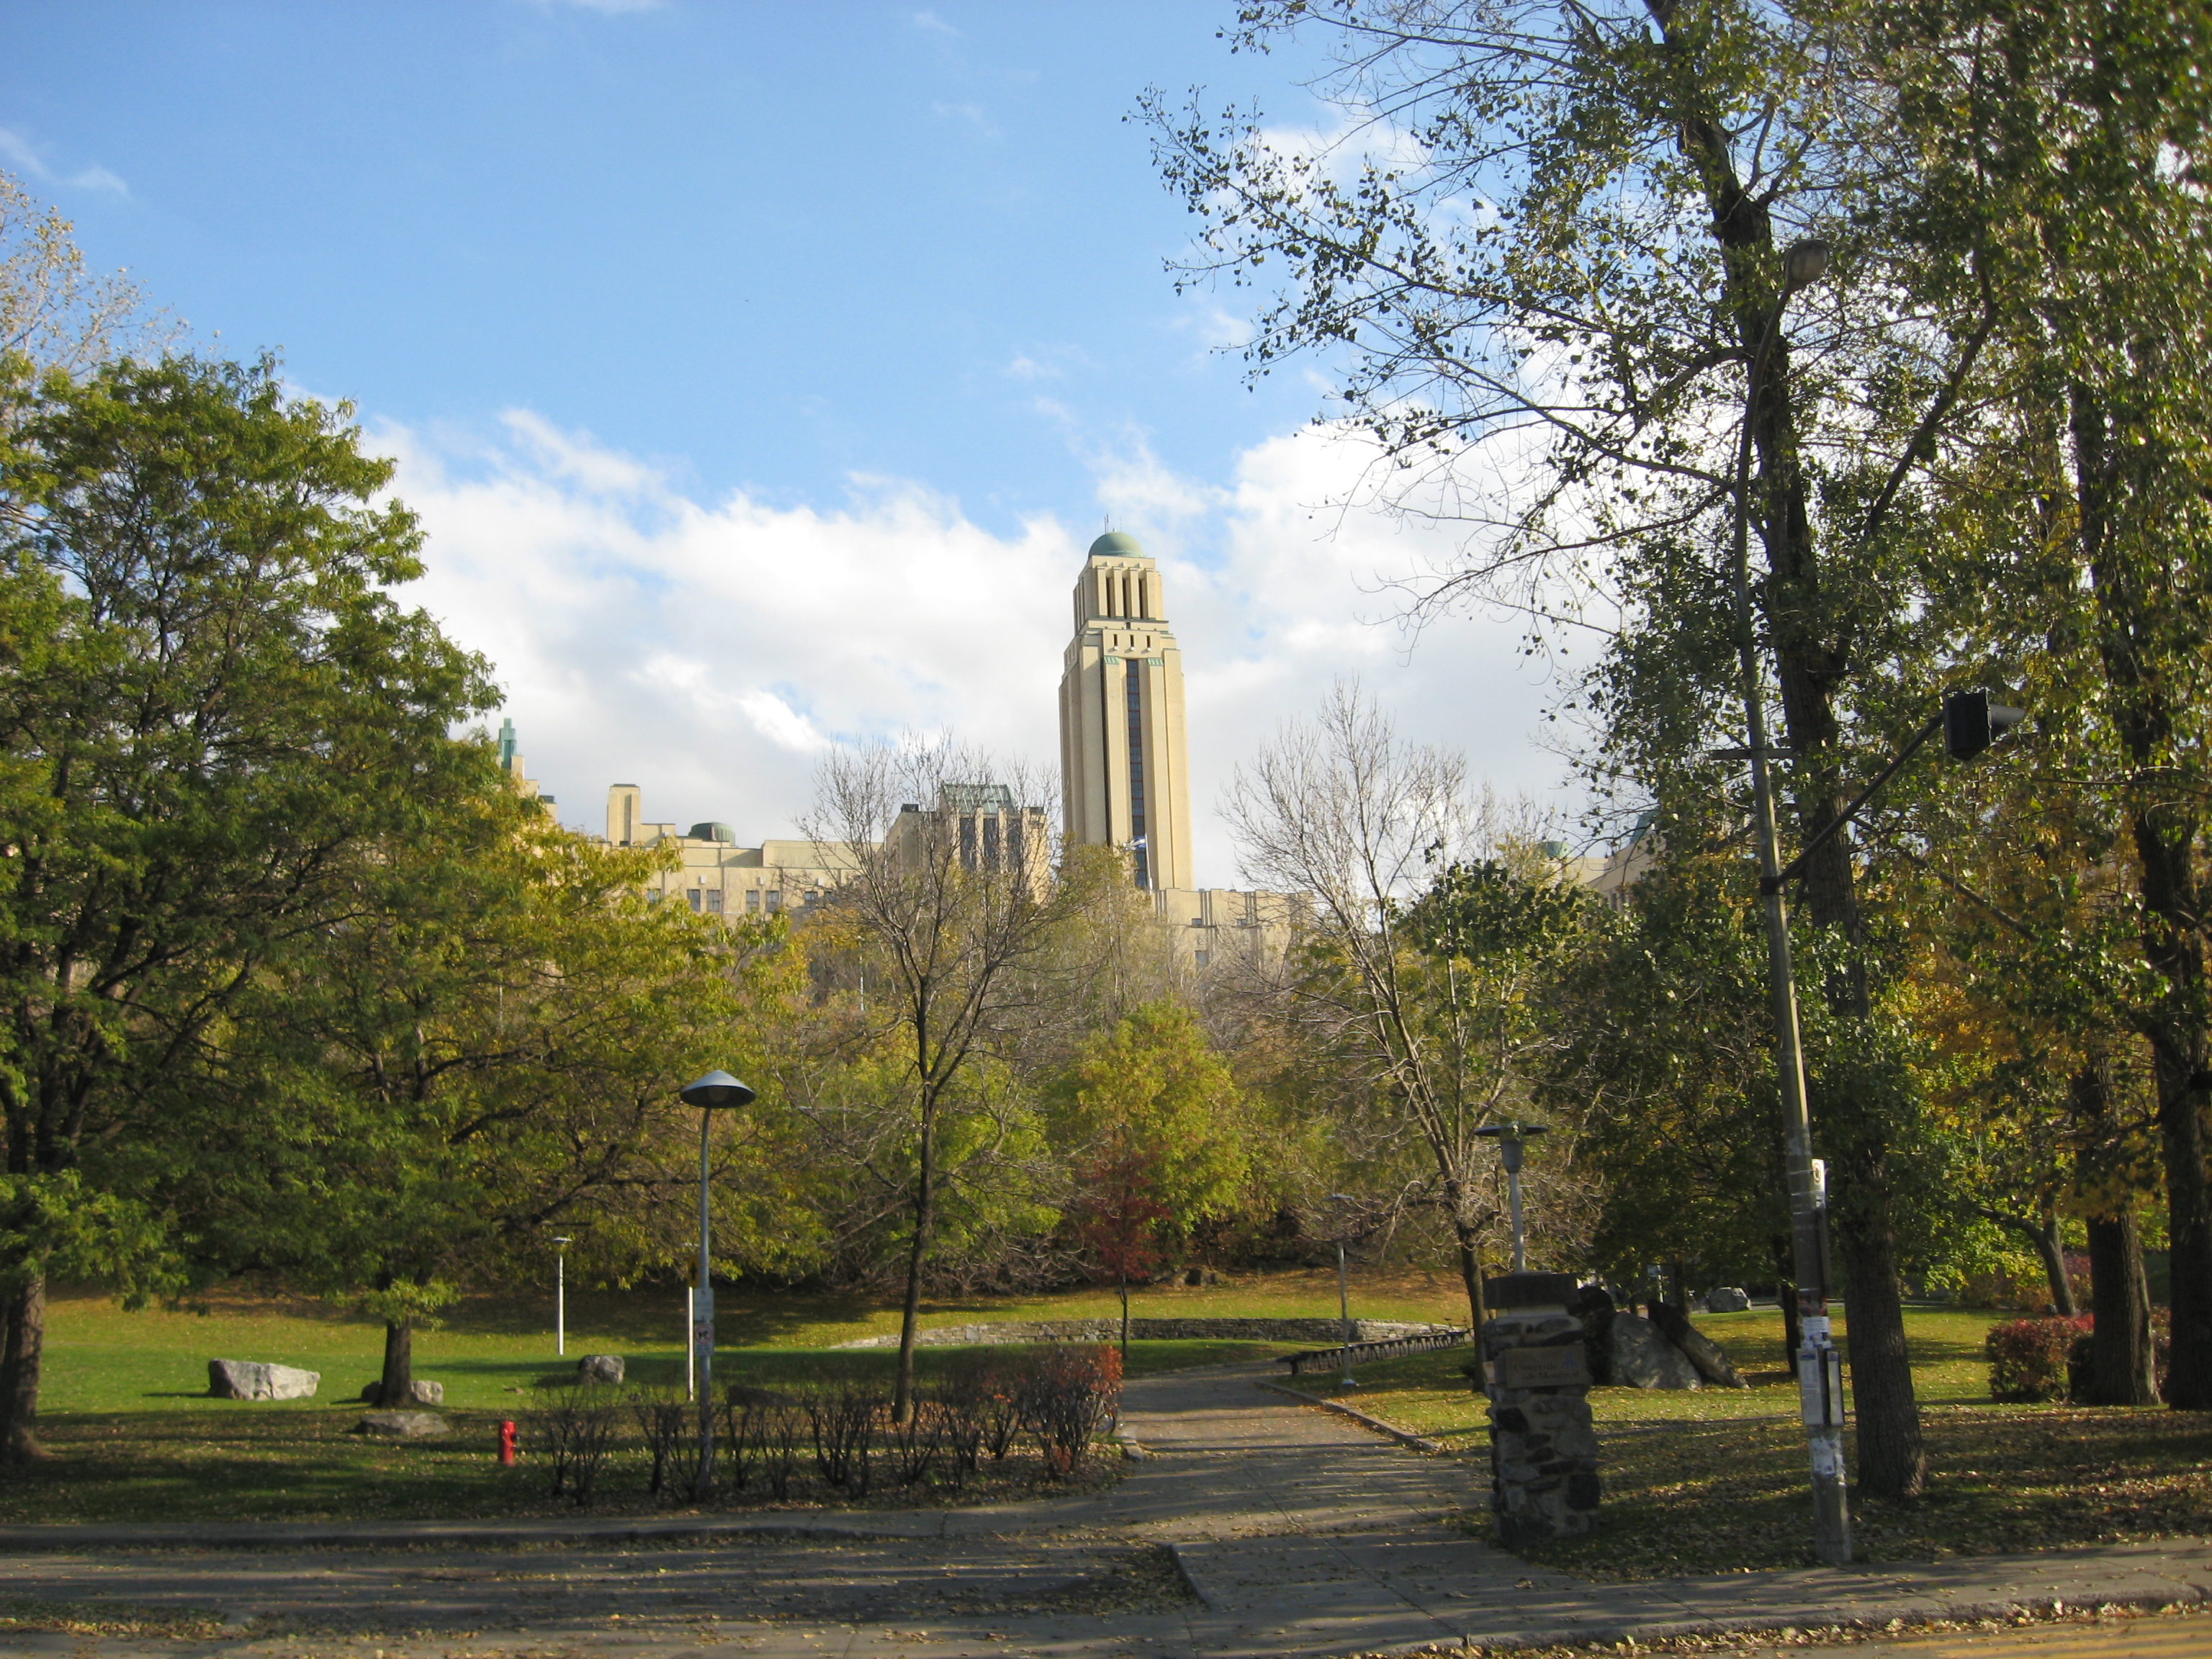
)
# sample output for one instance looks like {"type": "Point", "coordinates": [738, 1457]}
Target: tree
{"type": "Point", "coordinates": [52, 314]}
{"type": "Point", "coordinates": [1540, 263]}
{"type": "Point", "coordinates": [1344, 813]}
{"type": "Point", "coordinates": [487, 1049]}
{"type": "Point", "coordinates": [211, 707]}
{"type": "Point", "coordinates": [951, 891]}
{"type": "Point", "coordinates": [1118, 1221]}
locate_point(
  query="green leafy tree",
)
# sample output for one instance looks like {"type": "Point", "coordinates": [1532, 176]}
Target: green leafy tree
{"type": "Point", "coordinates": [211, 710]}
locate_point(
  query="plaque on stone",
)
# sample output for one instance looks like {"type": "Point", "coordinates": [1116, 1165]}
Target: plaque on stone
{"type": "Point", "coordinates": [1560, 1367]}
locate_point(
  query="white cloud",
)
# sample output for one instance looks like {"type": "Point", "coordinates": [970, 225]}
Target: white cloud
{"type": "Point", "coordinates": [930, 23]}
{"type": "Point", "coordinates": [709, 652]}
{"type": "Point", "coordinates": [26, 155]}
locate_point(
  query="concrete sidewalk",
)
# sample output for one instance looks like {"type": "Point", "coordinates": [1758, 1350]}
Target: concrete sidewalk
{"type": "Point", "coordinates": [1257, 1527]}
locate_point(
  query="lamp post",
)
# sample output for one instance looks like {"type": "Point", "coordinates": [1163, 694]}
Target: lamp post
{"type": "Point", "coordinates": [561, 1297]}
{"type": "Point", "coordinates": [1819, 1367]}
{"type": "Point", "coordinates": [1512, 1138]}
{"type": "Point", "coordinates": [711, 1093]}
{"type": "Point", "coordinates": [1343, 1298]}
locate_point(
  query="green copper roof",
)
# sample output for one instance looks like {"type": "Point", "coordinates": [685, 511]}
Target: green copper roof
{"type": "Point", "coordinates": [1117, 544]}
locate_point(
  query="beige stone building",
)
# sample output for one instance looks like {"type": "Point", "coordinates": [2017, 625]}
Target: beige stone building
{"type": "Point", "coordinates": [981, 825]}
{"type": "Point", "coordinates": [1125, 778]}
{"type": "Point", "coordinates": [717, 877]}
{"type": "Point", "coordinates": [1125, 772]}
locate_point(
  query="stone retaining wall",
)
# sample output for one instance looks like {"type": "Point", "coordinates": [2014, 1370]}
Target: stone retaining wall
{"type": "Point", "coordinates": [1156, 1330]}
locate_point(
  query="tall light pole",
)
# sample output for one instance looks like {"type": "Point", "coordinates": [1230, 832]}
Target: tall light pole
{"type": "Point", "coordinates": [711, 1093]}
{"type": "Point", "coordinates": [1512, 1139]}
{"type": "Point", "coordinates": [1819, 1370]}
{"type": "Point", "coordinates": [1343, 1294]}
{"type": "Point", "coordinates": [561, 1297]}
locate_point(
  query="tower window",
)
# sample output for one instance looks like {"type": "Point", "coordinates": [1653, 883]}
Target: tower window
{"type": "Point", "coordinates": [1137, 836]}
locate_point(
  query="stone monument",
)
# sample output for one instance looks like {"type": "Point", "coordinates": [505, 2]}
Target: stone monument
{"type": "Point", "coordinates": [1543, 1453]}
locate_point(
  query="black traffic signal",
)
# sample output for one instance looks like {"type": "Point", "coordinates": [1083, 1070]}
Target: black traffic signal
{"type": "Point", "coordinates": [1972, 722]}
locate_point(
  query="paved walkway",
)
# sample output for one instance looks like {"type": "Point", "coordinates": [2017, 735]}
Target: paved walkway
{"type": "Point", "coordinates": [1256, 1527]}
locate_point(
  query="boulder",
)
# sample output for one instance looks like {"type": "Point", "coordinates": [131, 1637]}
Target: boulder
{"type": "Point", "coordinates": [1642, 1358]}
{"type": "Point", "coordinates": [255, 1379]}
{"type": "Point", "coordinates": [402, 1426]}
{"type": "Point", "coordinates": [1597, 1313]}
{"type": "Point", "coordinates": [1727, 1298]}
{"type": "Point", "coordinates": [600, 1368]}
{"type": "Point", "coordinates": [1700, 1349]}
{"type": "Point", "coordinates": [420, 1392]}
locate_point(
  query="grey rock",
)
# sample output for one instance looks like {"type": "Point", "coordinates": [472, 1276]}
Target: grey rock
{"type": "Point", "coordinates": [1700, 1349]}
{"type": "Point", "coordinates": [254, 1379]}
{"type": "Point", "coordinates": [421, 1392]}
{"type": "Point", "coordinates": [1644, 1358]}
{"type": "Point", "coordinates": [402, 1426]}
{"type": "Point", "coordinates": [600, 1368]}
{"type": "Point", "coordinates": [1726, 1298]}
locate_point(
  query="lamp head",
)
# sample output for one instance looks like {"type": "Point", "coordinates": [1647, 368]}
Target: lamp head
{"type": "Point", "coordinates": [1510, 1137]}
{"type": "Point", "coordinates": [716, 1090]}
{"type": "Point", "coordinates": [1805, 263]}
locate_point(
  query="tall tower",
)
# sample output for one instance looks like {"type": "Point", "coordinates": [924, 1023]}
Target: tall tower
{"type": "Point", "coordinates": [1124, 778]}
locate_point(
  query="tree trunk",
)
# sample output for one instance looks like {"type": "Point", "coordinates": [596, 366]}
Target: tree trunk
{"type": "Point", "coordinates": [397, 1390]}
{"type": "Point", "coordinates": [19, 1361]}
{"type": "Point", "coordinates": [925, 1213]}
{"type": "Point", "coordinates": [2051, 1245]}
{"type": "Point", "coordinates": [1812, 639]}
{"type": "Point", "coordinates": [2124, 1366]}
{"type": "Point", "coordinates": [1893, 1460]}
{"type": "Point", "coordinates": [1470, 1273]}
{"type": "Point", "coordinates": [2113, 479]}
{"type": "Point", "coordinates": [1786, 1291]}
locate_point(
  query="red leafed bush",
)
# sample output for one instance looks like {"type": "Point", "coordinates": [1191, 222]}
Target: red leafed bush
{"type": "Point", "coordinates": [2027, 1358]}
{"type": "Point", "coordinates": [1072, 1395]}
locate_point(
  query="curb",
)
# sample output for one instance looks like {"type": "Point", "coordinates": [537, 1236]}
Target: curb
{"type": "Point", "coordinates": [1419, 1443]}
{"type": "Point", "coordinates": [443, 1533]}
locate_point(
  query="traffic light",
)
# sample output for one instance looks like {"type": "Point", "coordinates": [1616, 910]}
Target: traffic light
{"type": "Point", "coordinates": [1972, 722]}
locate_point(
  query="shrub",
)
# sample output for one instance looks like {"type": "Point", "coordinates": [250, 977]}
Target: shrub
{"type": "Point", "coordinates": [844, 1422]}
{"type": "Point", "coordinates": [2082, 1355]}
{"type": "Point", "coordinates": [2027, 1358]}
{"type": "Point", "coordinates": [666, 1422]}
{"type": "Point", "coordinates": [576, 1432]}
{"type": "Point", "coordinates": [1071, 1394]}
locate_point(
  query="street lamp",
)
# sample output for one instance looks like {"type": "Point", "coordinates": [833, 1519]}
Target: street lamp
{"type": "Point", "coordinates": [1821, 1401]}
{"type": "Point", "coordinates": [1343, 1298]}
{"type": "Point", "coordinates": [713, 1092]}
{"type": "Point", "coordinates": [561, 1297]}
{"type": "Point", "coordinates": [1511, 1138]}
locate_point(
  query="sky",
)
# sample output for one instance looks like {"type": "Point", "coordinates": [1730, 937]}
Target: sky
{"type": "Point", "coordinates": [761, 373]}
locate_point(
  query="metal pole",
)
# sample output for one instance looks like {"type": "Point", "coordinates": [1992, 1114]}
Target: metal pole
{"type": "Point", "coordinates": [1344, 1318]}
{"type": "Point", "coordinates": [1818, 1369]}
{"type": "Point", "coordinates": [702, 1332]}
{"type": "Point", "coordinates": [1520, 1240]}
{"type": "Point", "coordinates": [690, 1349]}
{"type": "Point", "coordinates": [560, 1303]}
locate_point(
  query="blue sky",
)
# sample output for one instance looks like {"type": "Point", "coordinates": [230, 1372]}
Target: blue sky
{"type": "Point", "coordinates": [760, 371]}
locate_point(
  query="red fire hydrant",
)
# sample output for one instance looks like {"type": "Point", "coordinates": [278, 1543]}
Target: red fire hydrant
{"type": "Point", "coordinates": [506, 1444]}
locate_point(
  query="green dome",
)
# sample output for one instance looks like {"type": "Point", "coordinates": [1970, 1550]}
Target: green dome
{"type": "Point", "coordinates": [1117, 544]}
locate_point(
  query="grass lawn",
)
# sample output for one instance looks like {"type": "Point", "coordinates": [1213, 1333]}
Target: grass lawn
{"type": "Point", "coordinates": [125, 1410]}
{"type": "Point", "coordinates": [1715, 1481]}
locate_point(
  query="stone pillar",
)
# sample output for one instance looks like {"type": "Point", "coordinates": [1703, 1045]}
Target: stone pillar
{"type": "Point", "coordinates": [1543, 1452]}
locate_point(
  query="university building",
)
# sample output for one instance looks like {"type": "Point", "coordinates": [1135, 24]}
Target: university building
{"type": "Point", "coordinates": [718, 878]}
{"type": "Point", "coordinates": [1124, 766]}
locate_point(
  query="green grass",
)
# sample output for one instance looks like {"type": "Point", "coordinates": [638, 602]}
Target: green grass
{"type": "Point", "coordinates": [101, 1359]}
{"type": "Point", "coordinates": [135, 1435]}
{"type": "Point", "coordinates": [1715, 1481]}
